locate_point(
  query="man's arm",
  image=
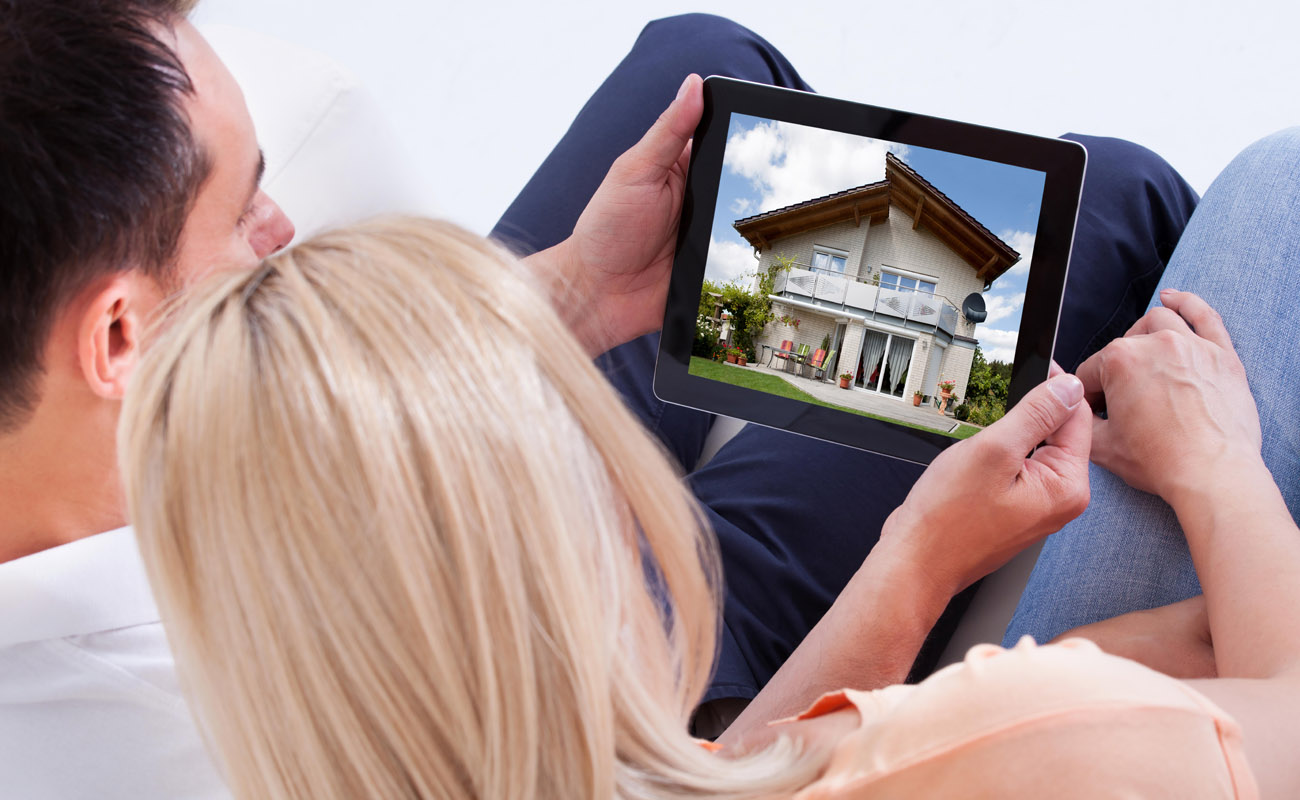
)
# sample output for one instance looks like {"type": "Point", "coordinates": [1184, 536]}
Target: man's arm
{"type": "Point", "coordinates": [981, 502]}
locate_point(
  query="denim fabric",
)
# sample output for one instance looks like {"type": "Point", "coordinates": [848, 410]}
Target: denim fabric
{"type": "Point", "coordinates": [775, 500]}
{"type": "Point", "coordinates": [1240, 252]}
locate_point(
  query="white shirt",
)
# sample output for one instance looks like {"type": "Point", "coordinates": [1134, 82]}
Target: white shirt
{"type": "Point", "coordinates": [90, 706]}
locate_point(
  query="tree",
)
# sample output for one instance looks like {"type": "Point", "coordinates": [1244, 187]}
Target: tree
{"type": "Point", "coordinates": [986, 390]}
{"type": "Point", "coordinates": [750, 310]}
{"type": "Point", "coordinates": [707, 300]}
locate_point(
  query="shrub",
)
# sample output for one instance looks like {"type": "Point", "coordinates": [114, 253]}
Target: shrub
{"type": "Point", "coordinates": [962, 412]}
{"type": "Point", "coordinates": [706, 338]}
{"type": "Point", "coordinates": [985, 413]}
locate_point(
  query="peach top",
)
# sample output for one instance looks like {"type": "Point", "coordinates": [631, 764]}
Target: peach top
{"type": "Point", "coordinates": [1061, 721]}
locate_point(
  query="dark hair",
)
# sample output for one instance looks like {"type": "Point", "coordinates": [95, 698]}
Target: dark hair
{"type": "Point", "coordinates": [98, 167]}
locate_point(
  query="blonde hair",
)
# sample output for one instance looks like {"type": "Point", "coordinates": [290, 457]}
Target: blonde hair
{"type": "Point", "coordinates": [408, 542]}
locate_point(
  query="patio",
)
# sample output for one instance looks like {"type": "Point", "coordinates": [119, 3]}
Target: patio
{"type": "Point", "coordinates": [830, 392]}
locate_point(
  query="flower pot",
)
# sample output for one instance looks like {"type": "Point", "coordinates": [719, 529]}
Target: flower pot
{"type": "Point", "coordinates": [844, 383]}
{"type": "Point", "coordinates": [741, 361]}
{"type": "Point", "coordinates": [916, 399]}
{"type": "Point", "coordinates": [731, 359]}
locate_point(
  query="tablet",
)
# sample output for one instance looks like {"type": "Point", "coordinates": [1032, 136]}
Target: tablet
{"type": "Point", "coordinates": [885, 280]}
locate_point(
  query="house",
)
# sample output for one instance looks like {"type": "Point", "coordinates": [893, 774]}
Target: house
{"type": "Point", "coordinates": [882, 271]}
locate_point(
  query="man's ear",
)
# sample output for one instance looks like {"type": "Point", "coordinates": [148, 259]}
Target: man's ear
{"type": "Point", "coordinates": [110, 330]}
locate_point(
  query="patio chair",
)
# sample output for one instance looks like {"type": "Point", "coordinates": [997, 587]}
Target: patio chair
{"type": "Point", "coordinates": [786, 344]}
{"type": "Point", "coordinates": [824, 366]}
{"type": "Point", "coordinates": [797, 358]}
{"type": "Point", "coordinates": [813, 363]}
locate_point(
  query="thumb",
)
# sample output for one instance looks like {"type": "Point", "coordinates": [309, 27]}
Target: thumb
{"type": "Point", "coordinates": [663, 144]}
{"type": "Point", "coordinates": [1043, 412]}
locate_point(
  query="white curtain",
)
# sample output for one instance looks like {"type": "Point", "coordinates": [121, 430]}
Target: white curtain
{"type": "Point", "coordinates": [873, 347]}
{"type": "Point", "coordinates": [900, 353]}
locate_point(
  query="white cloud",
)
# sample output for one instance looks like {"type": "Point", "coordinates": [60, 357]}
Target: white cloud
{"type": "Point", "coordinates": [1023, 243]}
{"type": "Point", "coordinates": [788, 163]}
{"type": "Point", "coordinates": [1001, 307]}
{"type": "Point", "coordinates": [998, 345]}
{"type": "Point", "coordinates": [730, 262]}
{"type": "Point", "coordinates": [740, 206]}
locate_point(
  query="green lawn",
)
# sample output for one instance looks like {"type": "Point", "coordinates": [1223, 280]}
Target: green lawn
{"type": "Point", "coordinates": [752, 379]}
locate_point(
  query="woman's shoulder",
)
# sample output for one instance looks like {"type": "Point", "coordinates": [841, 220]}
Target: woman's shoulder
{"type": "Point", "coordinates": [1064, 718]}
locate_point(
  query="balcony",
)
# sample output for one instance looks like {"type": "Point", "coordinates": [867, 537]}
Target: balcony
{"type": "Point", "coordinates": [907, 308]}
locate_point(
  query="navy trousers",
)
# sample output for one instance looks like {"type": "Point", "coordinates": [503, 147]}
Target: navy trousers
{"type": "Point", "coordinates": [788, 546]}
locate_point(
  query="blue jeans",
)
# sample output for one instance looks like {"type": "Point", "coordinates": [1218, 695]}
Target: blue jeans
{"type": "Point", "coordinates": [788, 547]}
{"type": "Point", "coordinates": [1240, 253]}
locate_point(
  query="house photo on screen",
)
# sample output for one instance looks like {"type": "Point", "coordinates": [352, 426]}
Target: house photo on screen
{"type": "Point", "coordinates": [881, 279]}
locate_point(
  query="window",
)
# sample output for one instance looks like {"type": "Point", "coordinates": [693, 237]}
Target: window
{"type": "Point", "coordinates": [830, 260]}
{"type": "Point", "coordinates": [891, 280]}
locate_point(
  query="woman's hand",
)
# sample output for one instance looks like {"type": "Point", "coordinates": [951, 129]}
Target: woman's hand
{"type": "Point", "coordinates": [987, 498]}
{"type": "Point", "coordinates": [1178, 409]}
{"type": "Point", "coordinates": [609, 280]}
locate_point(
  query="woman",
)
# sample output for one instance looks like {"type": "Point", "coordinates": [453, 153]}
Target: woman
{"type": "Point", "coordinates": [392, 567]}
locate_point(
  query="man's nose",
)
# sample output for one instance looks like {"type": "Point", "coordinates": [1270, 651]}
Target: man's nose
{"type": "Point", "coordinates": [274, 230]}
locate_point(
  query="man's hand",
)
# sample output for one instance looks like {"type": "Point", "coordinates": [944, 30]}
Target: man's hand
{"type": "Point", "coordinates": [1173, 639]}
{"type": "Point", "coordinates": [1178, 409]}
{"type": "Point", "coordinates": [609, 280]}
{"type": "Point", "coordinates": [987, 498]}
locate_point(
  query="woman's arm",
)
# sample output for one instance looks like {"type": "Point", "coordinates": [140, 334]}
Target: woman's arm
{"type": "Point", "coordinates": [981, 502]}
{"type": "Point", "coordinates": [609, 280]}
{"type": "Point", "coordinates": [1173, 639]}
{"type": "Point", "coordinates": [1204, 460]}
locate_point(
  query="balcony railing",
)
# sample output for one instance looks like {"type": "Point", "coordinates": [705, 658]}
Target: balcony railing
{"type": "Point", "coordinates": [830, 288]}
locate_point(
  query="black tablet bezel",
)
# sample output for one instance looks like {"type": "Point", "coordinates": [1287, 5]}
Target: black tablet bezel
{"type": "Point", "coordinates": [1062, 161]}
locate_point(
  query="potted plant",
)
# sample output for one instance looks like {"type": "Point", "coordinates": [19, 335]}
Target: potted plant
{"type": "Point", "coordinates": [917, 397]}
{"type": "Point", "coordinates": [945, 391]}
{"type": "Point", "coordinates": [845, 377]}
{"type": "Point", "coordinates": [741, 358]}
{"type": "Point", "coordinates": [731, 355]}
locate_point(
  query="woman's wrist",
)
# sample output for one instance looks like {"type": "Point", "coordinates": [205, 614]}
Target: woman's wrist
{"type": "Point", "coordinates": [1225, 479]}
{"type": "Point", "coordinates": [559, 277]}
{"type": "Point", "coordinates": [903, 557]}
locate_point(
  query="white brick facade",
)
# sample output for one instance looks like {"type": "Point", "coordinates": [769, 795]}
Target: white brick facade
{"type": "Point", "coordinates": [956, 365]}
{"type": "Point", "coordinates": [894, 246]}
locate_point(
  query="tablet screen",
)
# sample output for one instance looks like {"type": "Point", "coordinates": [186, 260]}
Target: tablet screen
{"type": "Point", "coordinates": [875, 290]}
{"type": "Point", "coordinates": [902, 268]}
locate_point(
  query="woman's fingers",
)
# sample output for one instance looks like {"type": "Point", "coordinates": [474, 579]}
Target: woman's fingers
{"type": "Point", "coordinates": [1204, 320]}
{"type": "Point", "coordinates": [1159, 319]}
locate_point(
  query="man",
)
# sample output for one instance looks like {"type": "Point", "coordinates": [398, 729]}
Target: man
{"type": "Point", "coordinates": [130, 168]}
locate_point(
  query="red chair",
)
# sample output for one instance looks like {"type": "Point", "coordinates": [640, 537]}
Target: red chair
{"type": "Point", "coordinates": [818, 358]}
{"type": "Point", "coordinates": [787, 345]}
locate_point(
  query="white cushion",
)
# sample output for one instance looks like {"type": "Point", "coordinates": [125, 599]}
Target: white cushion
{"type": "Point", "coordinates": [331, 155]}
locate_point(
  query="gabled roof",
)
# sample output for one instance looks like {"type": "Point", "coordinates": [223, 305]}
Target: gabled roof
{"type": "Point", "coordinates": [913, 195]}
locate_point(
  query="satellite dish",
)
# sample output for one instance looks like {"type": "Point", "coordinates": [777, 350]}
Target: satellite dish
{"type": "Point", "coordinates": [973, 307]}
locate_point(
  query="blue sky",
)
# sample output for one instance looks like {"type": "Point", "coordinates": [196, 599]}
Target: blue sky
{"type": "Point", "coordinates": [771, 164]}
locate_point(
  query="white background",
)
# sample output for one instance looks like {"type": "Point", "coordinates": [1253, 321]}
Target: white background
{"type": "Point", "coordinates": [481, 91]}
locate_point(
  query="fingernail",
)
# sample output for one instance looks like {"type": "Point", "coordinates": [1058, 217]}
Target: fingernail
{"type": "Point", "coordinates": [1068, 389]}
{"type": "Point", "coordinates": [1167, 291]}
{"type": "Point", "coordinates": [682, 91]}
